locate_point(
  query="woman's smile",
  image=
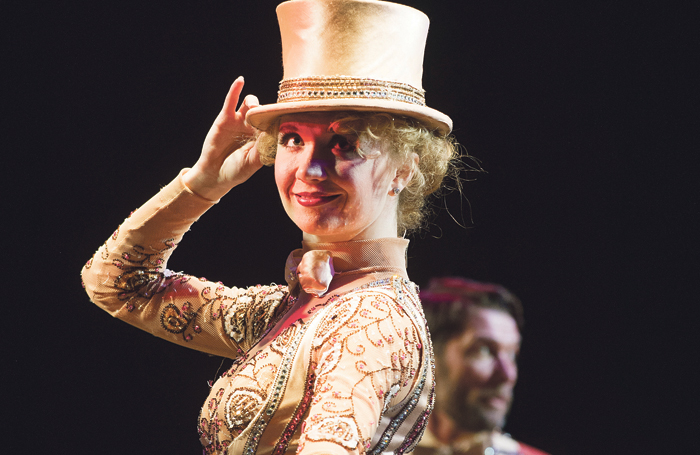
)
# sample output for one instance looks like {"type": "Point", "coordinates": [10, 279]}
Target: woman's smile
{"type": "Point", "coordinates": [314, 199]}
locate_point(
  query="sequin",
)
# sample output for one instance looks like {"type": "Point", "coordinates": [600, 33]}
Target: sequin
{"type": "Point", "coordinates": [354, 336]}
{"type": "Point", "coordinates": [296, 417]}
{"type": "Point", "coordinates": [341, 430]}
{"type": "Point", "coordinates": [339, 87]}
{"type": "Point", "coordinates": [241, 407]}
{"type": "Point", "coordinates": [173, 320]}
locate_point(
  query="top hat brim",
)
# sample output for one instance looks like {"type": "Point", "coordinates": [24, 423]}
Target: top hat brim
{"type": "Point", "coordinates": [261, 117]}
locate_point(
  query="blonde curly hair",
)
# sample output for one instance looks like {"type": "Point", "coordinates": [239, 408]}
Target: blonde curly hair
{"type": "Point", "coordinates": [438, 155]}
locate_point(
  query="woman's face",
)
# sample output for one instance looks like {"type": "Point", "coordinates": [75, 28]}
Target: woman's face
{"type": "Point", "coordinates": [327, 188]}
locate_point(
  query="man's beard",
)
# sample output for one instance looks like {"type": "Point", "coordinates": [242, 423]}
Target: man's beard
{"type": "Point", "coordinates": [472, 414]}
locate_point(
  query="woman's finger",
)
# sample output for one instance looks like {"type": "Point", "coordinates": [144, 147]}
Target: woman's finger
{"type": "Point", "coordinates": [249, 102]}
{"type": "Point", "coordinates": [234, 93]}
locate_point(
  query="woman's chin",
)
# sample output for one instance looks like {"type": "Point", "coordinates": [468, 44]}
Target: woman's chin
{"type": "Point", "coordinates": [317, 235]}
{"type": "Point", "coordinates": [325, 230]}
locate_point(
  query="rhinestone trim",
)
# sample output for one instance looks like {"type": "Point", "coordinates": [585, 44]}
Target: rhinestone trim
{"type": "Point", "coordinates": [278, 391]}
{"type": "Point", "coordinates": [347, 87]}
{"type": "Point", "coordinates": [398, 420]}
{"type": "Point", "coordinates": [271, 406]}
{"type": "Point", "coordinates": [294, 422]}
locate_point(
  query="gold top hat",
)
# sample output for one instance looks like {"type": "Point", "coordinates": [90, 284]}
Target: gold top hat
{"type": "Point", "coordinates": [360, 55]}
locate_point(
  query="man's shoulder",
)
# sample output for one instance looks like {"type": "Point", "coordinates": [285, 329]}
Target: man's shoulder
{"type": "Point", "coordinates": [473, 443]}
{"type": "Point", "coordinates": [504, 443]}
{"type": "Point", "coordinates": [529, 450]}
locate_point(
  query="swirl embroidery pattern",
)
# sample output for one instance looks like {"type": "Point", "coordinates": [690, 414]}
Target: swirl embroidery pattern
{"type": "Point", "coordinates": [246, 314]}
{"type": "Point", "coordinates": [368, 352]}
{"type": "Point", "coordinates": [348, 372]}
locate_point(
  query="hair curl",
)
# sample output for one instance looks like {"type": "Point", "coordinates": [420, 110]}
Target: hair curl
{"type": "Point", "coordinates": [438, 155]}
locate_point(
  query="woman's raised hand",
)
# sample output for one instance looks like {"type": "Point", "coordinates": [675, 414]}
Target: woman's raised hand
{"type": "Point", "coordinates": [229, 156]}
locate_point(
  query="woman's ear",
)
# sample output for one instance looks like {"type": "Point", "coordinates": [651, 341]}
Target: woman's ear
{"type": "Point", "coordinates": [404, 173]}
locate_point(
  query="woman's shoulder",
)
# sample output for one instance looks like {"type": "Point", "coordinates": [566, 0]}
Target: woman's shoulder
{"type": "Point", "coordinates": [391, 301]}
{"type": "Point", "coordinates": [396, 287]}
{"type": "Point", "coordinates": [395, 290]}
{"type": "Point", "coordinates": [401, 293]}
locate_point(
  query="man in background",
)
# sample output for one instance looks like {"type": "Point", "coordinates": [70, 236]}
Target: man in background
{"type": "Point", "coordinates": [476, 329]}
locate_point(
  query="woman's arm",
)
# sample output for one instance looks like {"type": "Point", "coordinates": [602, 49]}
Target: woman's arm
{"type": "Point", "coordinates": [128, 276]}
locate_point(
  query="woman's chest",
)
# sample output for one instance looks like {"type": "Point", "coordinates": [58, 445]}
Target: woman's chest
{"type": "Point", "coordinates": [253, 386]}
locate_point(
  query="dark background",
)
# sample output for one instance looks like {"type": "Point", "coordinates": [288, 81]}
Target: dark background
{"type": "Point", "coordinates": [580, 112]}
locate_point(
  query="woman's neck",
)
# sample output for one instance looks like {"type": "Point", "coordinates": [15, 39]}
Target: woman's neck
{"type": "Point", "coordinates": [364, 260]}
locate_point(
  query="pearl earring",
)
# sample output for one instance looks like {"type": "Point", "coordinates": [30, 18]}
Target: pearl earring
{"type": "Point", "coordinates": [396, 191]}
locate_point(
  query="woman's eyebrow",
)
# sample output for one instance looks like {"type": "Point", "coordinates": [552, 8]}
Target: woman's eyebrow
{"type": "Point", "coordinates": [288, 128]}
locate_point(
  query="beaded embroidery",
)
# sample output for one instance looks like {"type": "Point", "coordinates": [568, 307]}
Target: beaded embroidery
{"type": "Point", "coordinates": [296, 419]}
{"type": "Point", "coordinates": [241, 406]}
{"type": "Point", "coordinates": [288, 342]}
{"type": "Point", "coordinates": [344, 87]}
{"type": "Point", "coordinates": [342, 429]}
{"type": "Point", "coordinates": [189, 306]}
{"type": "Point", "coordinates": [253, 312]}
{"type": "Point", "coordinates": [209, 429]}
{"type": "Point", "coordinates": [417, 430]}
{"type": "Point", "coordinates": [175, 321]}
{"type": "Point", "coordinates": [279, 386]}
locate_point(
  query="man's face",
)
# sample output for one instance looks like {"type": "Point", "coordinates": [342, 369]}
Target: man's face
{"type": "Point", "coordinates": [478, 370]}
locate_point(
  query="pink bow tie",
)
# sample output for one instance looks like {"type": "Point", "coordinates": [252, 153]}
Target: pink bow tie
{"type": "Point", "coordinates": [312, 270]}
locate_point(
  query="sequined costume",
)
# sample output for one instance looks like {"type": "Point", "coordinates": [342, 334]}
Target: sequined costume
{"type": "Point", "coordinates": [347, 373]}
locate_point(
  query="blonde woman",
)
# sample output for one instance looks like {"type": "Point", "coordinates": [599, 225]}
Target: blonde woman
{"type": "Point", "coordinates": [339, 359]}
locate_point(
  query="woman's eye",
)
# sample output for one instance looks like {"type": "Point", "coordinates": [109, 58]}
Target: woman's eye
{"type": "Point", "coordinates": [342, 144]}
{"type": "Point", "coordinates": [291, 140]}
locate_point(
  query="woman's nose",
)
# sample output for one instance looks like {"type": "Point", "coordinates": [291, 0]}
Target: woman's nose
{"type": "Point", "coordinates": [312, 165]}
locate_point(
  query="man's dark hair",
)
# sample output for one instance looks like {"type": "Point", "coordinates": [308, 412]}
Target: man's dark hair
{"type": "Point", "coordinates": [446, 302]}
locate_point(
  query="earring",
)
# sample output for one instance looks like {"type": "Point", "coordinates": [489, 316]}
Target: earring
{"type": "Point", "coordinates": [396, 191]}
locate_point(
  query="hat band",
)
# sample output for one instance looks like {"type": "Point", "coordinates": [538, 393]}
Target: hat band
{"type": "Point", "coordinates": [341, 87]}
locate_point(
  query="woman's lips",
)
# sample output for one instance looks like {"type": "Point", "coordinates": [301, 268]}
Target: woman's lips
{"type": "Point", "coordinates": [314, 199]}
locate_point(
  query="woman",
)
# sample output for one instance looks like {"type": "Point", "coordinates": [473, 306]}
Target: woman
{"type": "Point", "coordinates": [339, 360]}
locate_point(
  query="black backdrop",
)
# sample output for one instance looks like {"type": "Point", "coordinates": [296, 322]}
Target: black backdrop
{"type": "Point", "coordinates": [585, 211]}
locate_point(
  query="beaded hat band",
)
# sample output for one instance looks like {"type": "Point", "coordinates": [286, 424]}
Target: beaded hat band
{"type": "Point", "coordinates": [342, 87]}
{"type": "Point", "coordinates": [351, 55]}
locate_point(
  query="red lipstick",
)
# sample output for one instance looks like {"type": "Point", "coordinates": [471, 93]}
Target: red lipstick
{"type": "Point", "coordinates": [314, 199]}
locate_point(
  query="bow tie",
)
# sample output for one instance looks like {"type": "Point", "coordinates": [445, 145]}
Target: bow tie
{"type": "Point", "coordinates": [313, 271]}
